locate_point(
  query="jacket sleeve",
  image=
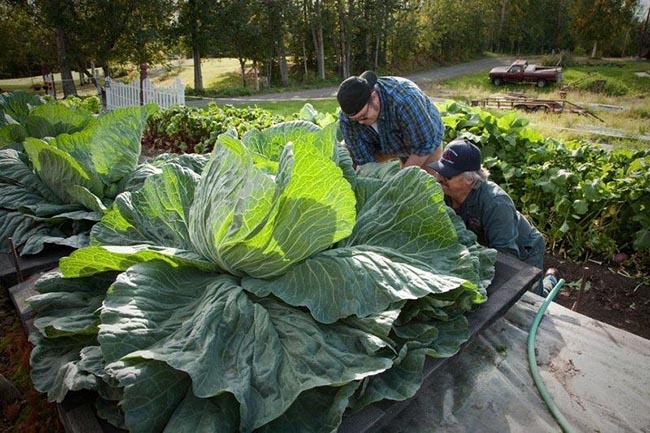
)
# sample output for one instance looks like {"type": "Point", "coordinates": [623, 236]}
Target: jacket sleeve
{"type": "Point", "coordinates": [500, 226]}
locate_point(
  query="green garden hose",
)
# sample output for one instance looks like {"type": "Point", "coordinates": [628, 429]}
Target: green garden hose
{"type": "Point", "coordinates": [533, 363]}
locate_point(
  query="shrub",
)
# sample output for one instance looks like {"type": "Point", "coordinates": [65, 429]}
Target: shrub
{"type": "Point", "coordinates": [584, 198]}
{"type": "Point", "coordinates": [606, 86]}
{"type": "Point", "coordinates": [563, 58]}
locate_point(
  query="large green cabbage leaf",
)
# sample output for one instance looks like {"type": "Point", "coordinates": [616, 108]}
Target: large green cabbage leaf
{"type": "Point", "coordinates": [15, 106]}
{"type": "Point", "coordinates": [54, 191]}
{"type": "Point", "coordinates": [249, 222]}
{"type": "Point", "coordinates": [28, 115]}
{"type": "Point", "coordinates": [276, 291]}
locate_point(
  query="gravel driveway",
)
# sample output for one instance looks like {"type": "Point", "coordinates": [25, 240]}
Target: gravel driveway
{"type": "Point", "coordinates": [423, 79]}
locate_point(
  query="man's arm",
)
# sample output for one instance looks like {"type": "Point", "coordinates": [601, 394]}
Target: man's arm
{"type": "Point", "coordinates": [423, 129]}
{"type": "Point", "coordinates": [360, 150]}
{"type": "Point", "coordinates": [500, 226]}
{"type": "Point", "coordinates": [423, 160]}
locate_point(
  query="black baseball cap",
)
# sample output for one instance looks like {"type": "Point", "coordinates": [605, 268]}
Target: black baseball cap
{"type": "Point", "coordinates": [354, 92]}
{"type": "Point", "coordinates": [459, 156]}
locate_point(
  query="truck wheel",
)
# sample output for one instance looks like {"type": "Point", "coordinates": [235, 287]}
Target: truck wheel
{"type": "Point", "coordinates": [541, 83]}
{"type": "Point", "coordinates": [497, 81]}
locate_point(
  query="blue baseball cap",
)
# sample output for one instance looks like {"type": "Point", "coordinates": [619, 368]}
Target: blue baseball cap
{"type": "Point", "coordinates": [458, 156]}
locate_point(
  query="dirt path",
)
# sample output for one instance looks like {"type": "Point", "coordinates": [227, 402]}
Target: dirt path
{"type": "Point", "coordinates": [423, 79]}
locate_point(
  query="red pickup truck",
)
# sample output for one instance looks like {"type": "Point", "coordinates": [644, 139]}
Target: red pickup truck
{"type": "Point", "coordinates": [521, 71]}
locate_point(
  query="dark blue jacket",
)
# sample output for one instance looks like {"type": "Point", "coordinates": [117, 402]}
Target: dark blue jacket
{"type": "Point", "coordinates": [489, 212]}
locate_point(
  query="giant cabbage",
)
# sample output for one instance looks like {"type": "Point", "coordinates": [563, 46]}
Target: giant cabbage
{"type": "Point", "coordinates": [273, 292]}
{"type": "Point", "coordinates": [23, 115]}
{"type": "Point", "coordinates": [56, 187]}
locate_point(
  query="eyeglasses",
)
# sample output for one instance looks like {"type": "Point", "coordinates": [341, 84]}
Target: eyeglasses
{"type": "Point", "coordinates": [366, 109]}
{"type": "Point", "coordinates": [361, 118]}
{"type": "Point", "coordinates": [445, 178]}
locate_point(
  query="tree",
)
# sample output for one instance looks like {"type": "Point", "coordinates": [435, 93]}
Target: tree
{"type": "Point", "coordinates": [59, 14]}
{"type": "Point", "coordinates": [597, 22]}
{"type": "Point", "coordinates": [644, 37]}
{"type": "Point", "coordinates": [346, 16]}
{"type": "Point", "coordinates": [313, 20]}
{"type": "Point", "coordinates": [243, 38]}
{"type": "Point", "coordinates": [450, 30]}
{"type": "Point", "coordinates": [273, 18]}
{"type": "Point", "coordinates": [198, 22]}
{"type": "Point", "coordinates": [148, 33]}
{"type": "Point", "coordinates": [26, 45]}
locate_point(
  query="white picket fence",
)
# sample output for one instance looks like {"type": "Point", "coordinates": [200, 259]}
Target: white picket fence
{"type": "Point", "coordinates": [128, 95]}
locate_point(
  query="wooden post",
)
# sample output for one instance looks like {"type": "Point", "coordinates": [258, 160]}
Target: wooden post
{"type": "Point", "coordinates": [143, 76]}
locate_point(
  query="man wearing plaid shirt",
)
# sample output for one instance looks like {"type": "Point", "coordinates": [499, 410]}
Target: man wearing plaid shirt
{"type": "Point", "coordinates": [389, 117]}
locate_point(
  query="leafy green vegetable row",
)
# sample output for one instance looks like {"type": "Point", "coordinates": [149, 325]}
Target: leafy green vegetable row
{"type": "Point", "coordinates": [585, 199]}
{"type": "Point", "coordinates": [183, 129]}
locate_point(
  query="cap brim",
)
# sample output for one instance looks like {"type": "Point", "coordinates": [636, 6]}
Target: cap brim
{"type": "Point", "coordinates": [444, 170]}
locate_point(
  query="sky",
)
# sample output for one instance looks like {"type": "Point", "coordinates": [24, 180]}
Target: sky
{"type": "Point", "coordinates": [645, 4]}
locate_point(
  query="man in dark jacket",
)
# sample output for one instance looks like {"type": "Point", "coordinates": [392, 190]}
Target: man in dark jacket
{"type": "Point", "coordinates": [487, 210]}
{"type": "Point", "coordinates": [388, 117]}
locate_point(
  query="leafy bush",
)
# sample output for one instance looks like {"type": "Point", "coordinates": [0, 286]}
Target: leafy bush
{"type": "Point", "coordinates": [563, 58]}
{"type": "Point", "coordinates": [120, 71]}
{"type": "Point", "coordinates": [604, 85]}
{"type": "Point", "coordinates": [640, 113]}
{"type": "Point", "coordinates": [584, 198]}
{"type": "Point", "coordinates": [183, 129]}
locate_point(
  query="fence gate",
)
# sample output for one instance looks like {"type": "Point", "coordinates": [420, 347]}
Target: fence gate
{"type": "Point", "coordinates": [128, 95]}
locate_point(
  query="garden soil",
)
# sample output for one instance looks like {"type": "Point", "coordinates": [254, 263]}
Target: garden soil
{"type": "Point", "coordinates": [604, 292]}
{"type": "Point", "coordinates": [32, 413]}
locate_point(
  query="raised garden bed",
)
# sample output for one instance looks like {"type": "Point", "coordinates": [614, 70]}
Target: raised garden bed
{"type": "Point", "coordinates": [513, 278]}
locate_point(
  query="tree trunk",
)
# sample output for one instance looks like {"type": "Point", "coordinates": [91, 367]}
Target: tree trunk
{"type": "Point", "coordinates": [377, 47]}
{"type": "Point", "coordinates": [502, 20]}
{"type": "Point", "coordinates": [320, 45]}
{"type": "Point", "coordinates": [198, 73]}
{"type": "Point", "coordinates": [320, 53]}
{"type": "Point", "coordinates": [256, 76]}
{"type": "Point", "coordinates": [196, 52]}
{"type": "Point", "coordinates": [67, 81]}
{"type": "Point", "coordinates": [345, 47]}
{"type": "Point", "coordinates": [304, 59]}
{"type": "Point", "coordinates": [594, 50]}
{"type": "Point", "coordinates": [284, 67]}
{"type": "Point", "coordinates": [242, 66]}
{"type": "Point", "coordinates": [645, 37]}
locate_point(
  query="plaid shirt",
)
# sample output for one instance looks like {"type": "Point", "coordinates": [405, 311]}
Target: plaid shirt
{"type": "Point", "coordinates": [408, 124]}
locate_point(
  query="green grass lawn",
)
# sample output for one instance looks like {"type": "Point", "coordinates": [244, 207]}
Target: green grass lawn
{"type": "Point", "coordinates": [214, 72]}
{"type": "Point", "coordinates": [594, 85]}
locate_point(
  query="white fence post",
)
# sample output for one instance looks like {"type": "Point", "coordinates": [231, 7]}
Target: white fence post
{"type": "Point", "coordinates": [128, 95]}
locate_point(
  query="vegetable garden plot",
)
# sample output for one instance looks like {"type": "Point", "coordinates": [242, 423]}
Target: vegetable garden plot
{"type": "Point", "coordinates": [512, 278]}
{"type": "Point", "coordinates": [277, 287]}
